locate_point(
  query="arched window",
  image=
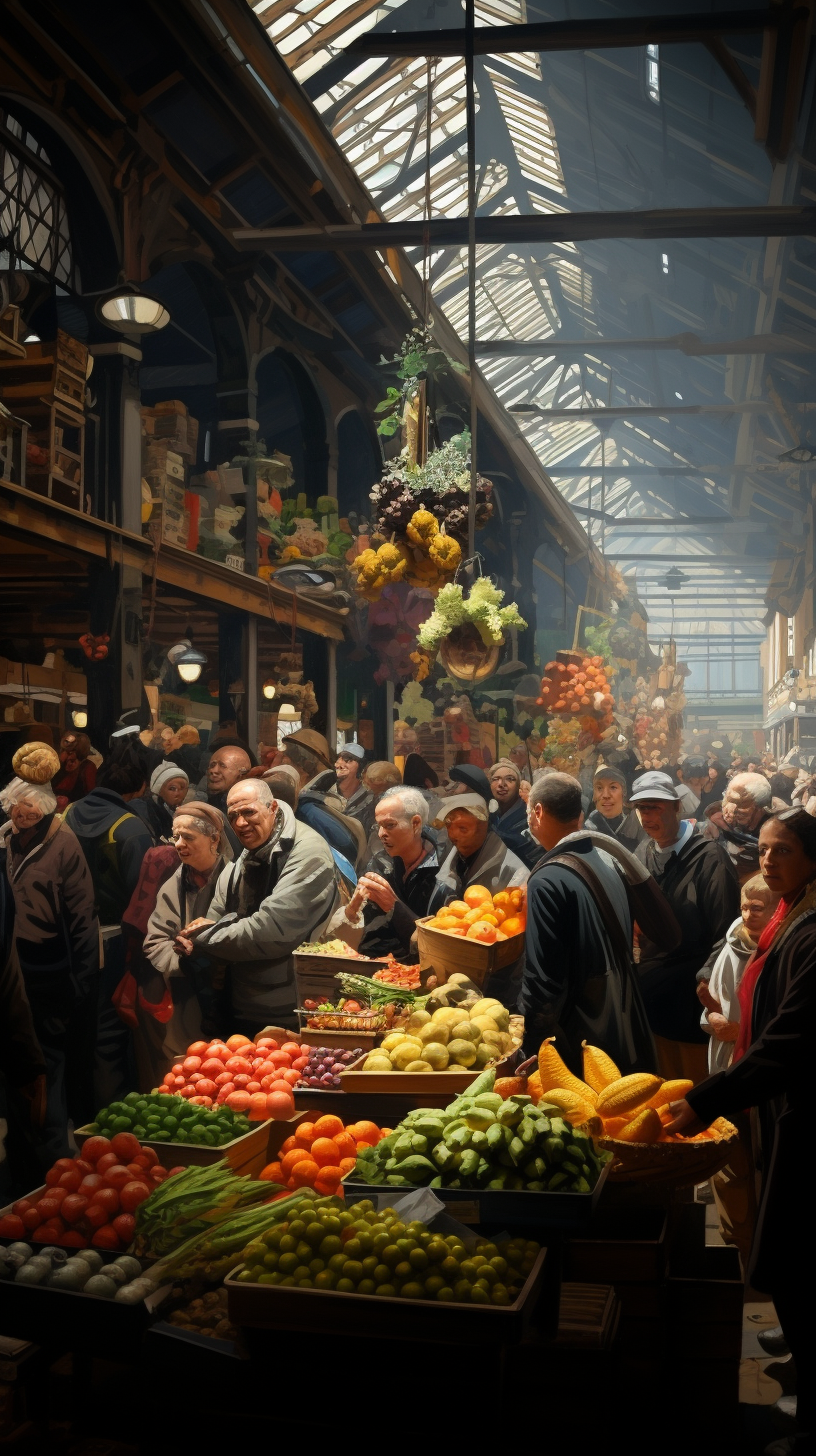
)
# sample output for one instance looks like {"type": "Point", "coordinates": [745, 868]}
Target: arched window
{"type": "Point", "coordinates": [33, 220]}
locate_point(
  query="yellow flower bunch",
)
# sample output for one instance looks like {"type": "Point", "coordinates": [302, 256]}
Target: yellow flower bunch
{"type": "Point", "coordinates": [376, 569]}
{"type": "Point", "coordinates": [422, 528]}
{"type": "Point", "coordinates": [446, 552]}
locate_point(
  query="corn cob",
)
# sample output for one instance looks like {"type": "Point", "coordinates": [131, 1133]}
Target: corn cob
{"type": "Point", "coordinates": [570, 1104]}
{"type": "Point", "coordinates": [627, 1094]}
{"type": "Point", "coordinates": [671, 1092]}
{"type": "Point", "coordinates": [645, 1127]}
{"type": "Point", "coordinates": [555, 1073]}
{"type": "Point", "coordinates": [599, 1069]}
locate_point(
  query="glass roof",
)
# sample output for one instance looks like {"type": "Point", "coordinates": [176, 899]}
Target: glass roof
{"type": "Point", "coordinates": [575, 131]}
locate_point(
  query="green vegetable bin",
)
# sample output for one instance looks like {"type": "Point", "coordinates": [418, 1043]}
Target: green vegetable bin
{"type": "Point", "coordinates": [246, 1155]}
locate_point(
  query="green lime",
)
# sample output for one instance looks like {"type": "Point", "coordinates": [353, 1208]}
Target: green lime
{"type": "Point", "coordinates": [403, 1270]}
{"type": "Point", "coordinates": [462, 1290]}
{"type": "Point", "coordinates": [353, 1248]}
{"type": "Point", "coordinates": [479, 1295]}
{"type": "Point", "coordinates": [306, 1283]}
{"type": "Point", "coordinates": [288, 1281]}
{"type": "Point", "coordinates": [121, 1124]}
{"type": "Point", "coordinates": [499, 1295]}
{"type": "Point", "coordinates": [316, 1266]}
{"type": "Point", "coordinates": [412, 1290]}
{"type": "Point", "coordinates": [271, 1260]}
{"type": "Point", "coordinates": [132, 1098]}
{"type": "Point", "coordinates": [445, 1294]}
{"type": "Point", "coordinates": [390, 1255]}
{"type": "Point", "coordinates": [304, 1251]}
{"type": "Point", "coordinates": [301, 1271]}
{"type": "Point", "coordinates": [406, 1245]}
{"type": "Point", "coordinates": [449, 1267]}
{"type": "Point", "coordinates": [353, 1270]}
{"type": "Point", "coordinates": [314, 1233]}
{"type": "Point", "coordinates": [297, 1228]}
{"type": "Point", "coordinates": [287, 1263]}
{"type": "Point", "coordinates": [436, 1251]}
{"type": "Point", "coordinates": [246, 1276]}
{"type": "Point", "coordinates": [330, 1245]}
{"type": "Point", "coordinates": [140, 1132]}
{"type": "Point", "coordinates": [325, 1280]}
{"type": "Point", "coordinates": [344, 1286]}
{"type": "Point", "coordinates": [387, 1291]}
{"type": "Point", "coordinates": [499, 1264]}
{"type": "Point", "coordinates": [169, 1123]}
{"type": "Point", "coordinates": [370, 1264]}
{"type": "Point", "coordinates": [382, 1273]}
{"type": "Point", "coordinates": [331, 1225]}
{"type": "Point", "coordinates": [418, 1259]}
{"type": "Point", "coordinates": [433, 1284]}
{"type": "Point", "coordinates": [268, 1277]}
{"type": "Point", "coordinates": [337, 1263]}
{"type": "Point", "coordinates": [366, 1286]}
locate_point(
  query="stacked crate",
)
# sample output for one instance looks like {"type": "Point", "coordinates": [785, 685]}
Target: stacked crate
{"type": "Point", "coordinates": [169, 446]}
{"type": "Point", "coordinates": [46, 388]}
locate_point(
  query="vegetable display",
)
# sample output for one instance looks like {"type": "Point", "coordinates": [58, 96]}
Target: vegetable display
{"type": "Point", "coordinates": [482, 916]}
{"type": "Point", "coordinates": [483, 1140]}
{"type": "Point", "coordinates": [211, 1254]}
{"type": "Point", "coordinates": [197, 1199]}
{"type": "Point", "coordinates": [320, 1153]}
{"type": "Point", "coordinates": [205, 1315]}
{"type": "Point", "coordinates": [250, 1081]}
{"type": "Point", "coordinates": [84, 1273]}
{"type": "Point", "coordinates": [161, 1117]}
{"type": "Point", "coordinates": [360, 1250]}
{"type": "Point", "coordinates": [91, 1199]}
{"type": "Point", "coordinates": [451, 1036]}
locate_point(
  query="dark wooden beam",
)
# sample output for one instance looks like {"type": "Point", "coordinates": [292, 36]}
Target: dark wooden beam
{"type": "Point", "coordinates": [559, 227]}
{"type": "Point", "coordinates": [688, 344]}
{"type": "Point", "coordinates": [566, 35]}
{"type": "Point", "coordinates": [733, 70]}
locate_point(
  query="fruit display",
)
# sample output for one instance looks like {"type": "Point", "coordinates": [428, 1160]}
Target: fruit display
{"type": "Point", "coordinates": [402, 978]}
{"type": "Point", "coordinates": [365, 1003]}
{"type": "Point", "coordinates": [92, 1199]}
{"type": "Point", "coordinates": [363, 1250]}
{"type": "Point", "coordinates": [83, 1273]}
{"type": "Point", "coordinates": [330, 948]}
{"type": "Point", "coordinates": [321, 1066]}
{"type": "Point", "coordinates": [198, 1200]}
{"type": "Point", "coordinates": [320, 1153]}
{"type": "Point", "coordinates": [449, 1037]}
{"type": "Point", "coordinates": [205, 1315]}
{"type": "Point", "coordinates": [483, 1140]}
{"type": "Point", "coordinates": [482, 916]}
{"type": "Point", "coordinates": [561, 750]}
{"type": "Point", "coordinates": [208, 1256]}
{"type": "Point", "coordinates": [166, 1118]}
{"type": "Point", "coordinates": [481, 609]}
{"type": "Point", "coordinates": [635, 1109]}
{"type": "Point", "coordinates": [252, 1080]}
{"type": "Point", "coordinates": [579, 687]}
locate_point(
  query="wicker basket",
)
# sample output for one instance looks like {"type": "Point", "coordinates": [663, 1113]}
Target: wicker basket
{"type": "Point", "coordinates": [681, 1164]}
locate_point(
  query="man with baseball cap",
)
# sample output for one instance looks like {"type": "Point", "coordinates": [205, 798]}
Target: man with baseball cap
{"type": "Point", "coordinates": [701, 885]}
{"type": "Point", "coordinates": [611, 814]}
{"type": "Point", "coordinates": [354, 798]}
{"type": "Point", "coordinates": [477, 855]}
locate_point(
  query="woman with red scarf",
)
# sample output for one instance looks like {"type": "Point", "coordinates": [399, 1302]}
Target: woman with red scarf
{"type": "Point", "coordinates": [773, 1071]}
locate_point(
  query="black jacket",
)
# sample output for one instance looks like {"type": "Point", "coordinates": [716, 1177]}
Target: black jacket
{"type": "Point", "coordinates": [21, 1060]}
{"type": "Point", "coordinates": [776, 1075]}
{"type": "Point", "coordinates": [702, 888]}
{"type": "Point", "coordinates": [114, 841]}
{"type": "Point", "coordinates": [575, 986]}
{"type": "Point", "coordinates": [511, 827]}
{"type": "Point", "coordinates": [391, 934]}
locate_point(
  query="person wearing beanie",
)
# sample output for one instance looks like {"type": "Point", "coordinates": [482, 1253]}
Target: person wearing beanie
{"type": "Point", "coordinates": [611, 815]}
{"type": "Point", "coordinates": [510, 819]}
{"type": "Point", "coordinates": [168, 785]}
{"type": "Point", "coordinates": [477, 855]}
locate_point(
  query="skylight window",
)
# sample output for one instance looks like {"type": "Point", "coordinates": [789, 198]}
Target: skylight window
{"type": "Point", "coordinates": [653, 73]}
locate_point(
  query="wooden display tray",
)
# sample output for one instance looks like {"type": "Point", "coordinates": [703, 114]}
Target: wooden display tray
{"type": "Point", "coordinates": [347, 1040]}
{"type": "Point", "coordinates": [354, 1079]}
{"type": "Point", "coordinates": [315, 974]}
{"type": "Point", "coordinates": [498, 1206]}
{"type": "Point", "coordinates": [246, 1155]}
{"type": "Point", "coordinates": [325, 1312]}
{"type": "Point", "coordinates": [444, 954]}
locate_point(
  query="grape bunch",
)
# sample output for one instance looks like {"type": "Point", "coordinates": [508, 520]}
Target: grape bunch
{"type": "Point", "coordinates": [325, 1065]}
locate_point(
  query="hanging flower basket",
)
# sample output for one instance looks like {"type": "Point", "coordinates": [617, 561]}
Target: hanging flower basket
{"type": "Point", "coordinates": [466, 657]}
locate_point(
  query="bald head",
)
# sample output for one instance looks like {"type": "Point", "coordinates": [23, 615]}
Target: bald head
{"type": "Point", "coordinates": [227, 767]}
{"type": "Point", "coordinates": [251, 811]}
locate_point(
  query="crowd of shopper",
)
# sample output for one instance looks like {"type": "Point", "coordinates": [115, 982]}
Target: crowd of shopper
{"type": "Point", "coordinates": [156, 894]}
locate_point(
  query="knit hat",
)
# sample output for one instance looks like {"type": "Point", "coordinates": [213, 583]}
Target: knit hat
{"type": "Point", "coordinates": [607, 772]}
{"type": "Point", "coordinates": [506, 765]}
{"type": "Point", "coordinates": [199, 810]}
{"type": "Point", "coordinates": [164, 773]}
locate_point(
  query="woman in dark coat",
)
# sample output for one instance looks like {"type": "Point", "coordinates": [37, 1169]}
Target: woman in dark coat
{"type": "Point", "coordinates": [773, 1071]}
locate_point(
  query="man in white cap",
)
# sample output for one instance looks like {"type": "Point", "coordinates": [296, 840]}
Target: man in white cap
{"type": "Point", "coordinates": [354, 798]}
{"type": "Point", "coordinates": [477, 855]}
{"type": "Point", "coordinates": [701, 885]}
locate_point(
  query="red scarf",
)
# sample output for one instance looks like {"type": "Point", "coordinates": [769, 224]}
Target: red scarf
{"type": "Point", "coordinates": [751, 975]}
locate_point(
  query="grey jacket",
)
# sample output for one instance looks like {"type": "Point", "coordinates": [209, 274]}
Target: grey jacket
{"type": "Point", "coordinates": [495, 866]}
{"type": "Point", "coordinates": [303, 894]}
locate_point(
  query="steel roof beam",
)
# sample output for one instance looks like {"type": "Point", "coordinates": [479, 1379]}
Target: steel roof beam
{"type": "Point", "coordinates": [637, 411]}
{"type": "Point", "coordinates": [567, 35]}
{"type": "Point", "coordinates": [688, 344]}
{"type": "Point", "coordinates": [558, 227]}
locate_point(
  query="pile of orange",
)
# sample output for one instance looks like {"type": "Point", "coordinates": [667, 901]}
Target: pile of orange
{"type": "Point", "coordinates": [482, 916]}
{"type": "Point", "coordinates": [320, 1153]}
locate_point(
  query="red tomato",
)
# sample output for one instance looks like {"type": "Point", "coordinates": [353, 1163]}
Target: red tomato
{"type": "Point", "coordinates": [291, 1077]}
{"type": "Point", "coordinates": [52, 1177]}
{"type": "Point", "coordinates": [190, 1064]}
{"type": "Point", "coordinates": [224, 1092]}
{"type": "Point", "coordinates": [135, 1169]}
{"type": "Point", "coordinates": [65, 1165]}
{"type": "Point", "coordinates": [206, 1088]}
{"type": "Point", "coordinates": [218, 1049]}
{"type": "Point", "coordinates": [169, 1079]}
{"type": "Point", "coordinates": [108, 1160]}
{"type": "Point", "coordinates": [280, 1105]}
{"type": "Point", "coordinates": [74, 1207]}
{"type": "Point", "coordinates": [125, 1146]}
{"type": "Point", "coordinates": [84, 1166]}
{"type": "Point", "coordinates": [187, 1092]}
{"type": "Point", "coordinates": [168, 1090]}
{"type": "Point", "coordinates": [241, 1081]}
{"type": "Point", "coordinates": [252, 1087]}
{"type": "Point", "coordinates": [72, 1239]}
{"type": "Point", "coordinates": [197, 1049]}
{"type": "Point", "coordinates": [194, 1079]}
{"type": "Point", "coordinates": [11, 1227]}
{"type": "Point", "coordinates": [222, 1078]}
{"type": "Point", "coordinates": [178, 1083]}
{"type": "Point", "coordinates": [299, 1063]}
{"type": "Point", "coordinates": [157, 1175]}
{"type": "Point", "coordinates": [279, 1059]}
{"type": "Point", "coordinates": [125, 1226]}
{"type": "Point", "coordinates": [70, 1180]}
{"type": "Point", "coordinates": [133, 1194]}
{"type": "Point", "coordinates": [280, 1086]}
{"type": "Point", "coordinates": [116, 1177]}
{"type": "Point", "coordinates": [238, 1101]}
{"type": "Point", "coordinates": [58, 1194]}
{"type": "Point", "coordinates": [212, 1067]}
{"type": "Point", "coordinates": [292, 1048]}
{"type": "Point", "coordinates": [179, 1168]}
{"type": "Point", "coordinates": [151, 1155]}
{"type": "Point", "coordinates": [177, 1069]}
{"type": "Point", "coordinates": [48, 1233]}
{"type": "Point", "coordinates": [267, 1043]}
{"type": "Point", "coordinates": [201, 1101]}
{"type": "Point", "coordinates": [106, 1237]}
{"type": "Point", "coordinates": [31, 1217]}
{"type": "Point", "coordinates": [96, 1216]}
{"type": "Point", "coordinates": [21, 1206]}
{"type": "Point", "coordinates": [50, 1207]}
{"type": "Point", "coordinates": [238, 1064]}
{"type": "Point", "coordinates": [90, 1183]}
{"type": "Point", "coordinates": [109, 1198]}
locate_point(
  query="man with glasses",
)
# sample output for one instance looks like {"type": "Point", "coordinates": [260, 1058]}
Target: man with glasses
{"type": "Point", "coordinates": [279, 892]}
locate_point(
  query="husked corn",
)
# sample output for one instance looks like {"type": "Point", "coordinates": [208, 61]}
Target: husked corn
{"type": "Point", "coordinates": [599, 1069]}
{"type": "Point", "coordinates": [554, 1072]}
{"type": "Point", "coordinates": [645, 1127]}
{"type": "Point", "coordinates": [627, 1094]}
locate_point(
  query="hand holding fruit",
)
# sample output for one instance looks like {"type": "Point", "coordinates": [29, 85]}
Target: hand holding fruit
{"type": "Point", "coordinates": [183, 946]}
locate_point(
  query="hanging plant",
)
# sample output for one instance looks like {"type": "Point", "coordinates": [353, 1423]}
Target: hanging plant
{"type": "Point", "coordinates": [467, 631]}
{"type": "Point", "coordinates": [419, 359]}
{"type": "Point", "coordinates": [440, 487]}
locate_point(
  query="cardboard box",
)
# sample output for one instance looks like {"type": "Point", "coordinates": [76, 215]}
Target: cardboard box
{"type": "Point", "coordinates": [159, 458]}
{"type": "Point", "coordinates": [167, 490]}
{"type": "Point", "coordinates": [170, 407]}
{"type": "Point", "coordinates": [171, 525]}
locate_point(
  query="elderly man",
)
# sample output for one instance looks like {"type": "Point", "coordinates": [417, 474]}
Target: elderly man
{"type": "Point", "coordinates": [228, 766]}
{"type": "Point", "coordinates": [611, 814]}
{"type": "Point", "coordinates": [746, 804]}
{"type": "Point", "coordinates": [700, 883]}
{"type": "Point", "coordinates": [477, 855]}
{"type": "Point", "coordinates": [356, 800]}
{"type": "Point", "coordinates": [578, 982]}
{"type": "Point", "coordinates": [394, 892]}
{"type": "Point", "coordinates": [510, 819]}
{"type": "Point", "coordinates": [279, 892]}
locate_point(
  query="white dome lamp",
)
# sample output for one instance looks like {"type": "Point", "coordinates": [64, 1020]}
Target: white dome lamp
{"type": "Point", "coordinates": [189, 663]}
{"type": "Point", "coordinates": [129, 311]}
{"type": "Point", "coordinates": [79, 717]}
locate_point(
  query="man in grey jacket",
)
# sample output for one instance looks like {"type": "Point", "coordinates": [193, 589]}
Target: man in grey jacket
{"type": "Point", "coordinates": [279, 892]}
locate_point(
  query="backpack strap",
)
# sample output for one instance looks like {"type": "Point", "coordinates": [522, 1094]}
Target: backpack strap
{"type": "Point", "coordinates": [114, 827]}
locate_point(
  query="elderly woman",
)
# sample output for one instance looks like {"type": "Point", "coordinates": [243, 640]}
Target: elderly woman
{"type": "Point", "coordinates": [736, 822]}
{"type": "Point", "coordinates": [611, 814]}
{"type": "Point", "coordinates": [168, 786]}
{"type": "Point", "coordinates": [56, 942]}
{"type": "Point", "coordinates": [510, 819]}
{"type": "Point", "coordinates": [203, 848]}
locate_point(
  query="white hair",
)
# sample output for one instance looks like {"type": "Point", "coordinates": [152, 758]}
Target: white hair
{"type": "Point", "coordinates": [756, 786]}
{"type": "Point", "coordinates": [412, 801]}
{"type": "Point", "coordinates": [41, 795]}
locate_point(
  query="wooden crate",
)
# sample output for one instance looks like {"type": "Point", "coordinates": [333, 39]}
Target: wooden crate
{"type": "Point", "coordinates": [325, 1312]}
{"type": "Point", "coordinates": [444, 954]}
{"type": "Point", "coordinates": [348, 1040]}
{"type": "Point", "coordinates": [315, 974]}
{"type": "Point", "coordinates": [246, 1155]}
